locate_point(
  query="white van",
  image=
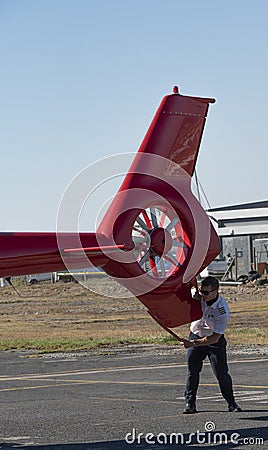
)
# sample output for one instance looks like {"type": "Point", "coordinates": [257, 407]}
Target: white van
{"type": "Point", "coordinates": [39, 277]}
{"type": "Point", "coordinates": [216, 268]}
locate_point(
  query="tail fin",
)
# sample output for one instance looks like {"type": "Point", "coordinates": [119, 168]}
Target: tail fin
{"type": "Point", "coordinates": [176, 129]}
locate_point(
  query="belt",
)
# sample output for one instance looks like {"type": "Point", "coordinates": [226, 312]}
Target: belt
{"type": "Point", "coordinates": [194, 336]}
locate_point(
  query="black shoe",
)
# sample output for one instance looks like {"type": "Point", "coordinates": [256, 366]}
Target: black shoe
{"type": "Point", "coordinates": [189, 409]}
{"type": "Point", "coordinates": [234, 408]}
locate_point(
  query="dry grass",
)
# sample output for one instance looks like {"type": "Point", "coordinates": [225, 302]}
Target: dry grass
{"type": "Point", "coordinates": [70, 316]}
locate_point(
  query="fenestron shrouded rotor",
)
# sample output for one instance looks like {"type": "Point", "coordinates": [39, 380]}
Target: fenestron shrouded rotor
{"type": "Point", "coordinates": [161, 245]}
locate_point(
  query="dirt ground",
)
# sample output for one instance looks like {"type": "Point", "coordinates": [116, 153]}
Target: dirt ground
{"type": "Point", "coordinates": [70, 311]}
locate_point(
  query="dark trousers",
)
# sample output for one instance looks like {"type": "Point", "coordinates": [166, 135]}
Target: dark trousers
{"type": "Point", "coordinates": [218, 361]}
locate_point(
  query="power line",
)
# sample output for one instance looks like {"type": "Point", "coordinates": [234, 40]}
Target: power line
{"type": "Point", "coordinates": [199, 188]}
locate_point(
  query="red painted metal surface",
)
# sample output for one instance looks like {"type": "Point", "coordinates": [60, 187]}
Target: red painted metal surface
{"type": "Point", "coordinates": [158, 176]}
{"type": "Point", "coordinates": [155, 237]}
{"type": "Point", "coordinates": [26, 253]}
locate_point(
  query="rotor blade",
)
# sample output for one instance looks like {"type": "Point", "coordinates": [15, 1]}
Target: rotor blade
{"type": "Point", "coordinates": [141, 240]}
{"type": "Point", "coordinates": [180, 255]}
{"type": "Point", "coordinates": [172, 223]}
{"type": "Point", "coordinates": [147, 220]}
{"type": "Point", "coordinates": [162, 219]}
{"type": "Point", "coordinates": [144, 258]}
{"type": "Point", "coordinates": [178, 243]}
{"type": "Point", "coordinates": [171, 258]}
{"type": "Point", "coordinates": [162, 267]}
{"type": "Point", "coordinates": [153, 216]}
{"type": "Point", "coordinates": [153, 266]}
{"type": "Point", "coordinates": [140, 231]}
{"type": "Point", "coordinates": [142, 224]}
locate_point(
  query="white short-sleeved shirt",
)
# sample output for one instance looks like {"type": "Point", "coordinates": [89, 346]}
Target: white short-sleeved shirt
{"type": "Point", "coordinates": [214, 319]}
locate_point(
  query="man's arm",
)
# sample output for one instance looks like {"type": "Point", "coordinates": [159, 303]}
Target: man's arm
{"type": "Point", "coordinates": [207, 340]}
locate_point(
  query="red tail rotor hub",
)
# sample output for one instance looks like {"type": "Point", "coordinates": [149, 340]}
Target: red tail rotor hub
{"type": "Point", "coordinates": [161, 241]}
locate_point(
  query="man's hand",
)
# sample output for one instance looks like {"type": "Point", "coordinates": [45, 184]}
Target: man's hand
{"type": "Point", "coordinates": [197, 295]}
{"type": "Point", "coordinates": [207, 340]}
{"type": "Point", "coordinates": [186, 343]}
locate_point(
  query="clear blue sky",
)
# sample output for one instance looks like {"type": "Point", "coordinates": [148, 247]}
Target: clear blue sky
{"type": "Point", "coordinates": [81, 80]}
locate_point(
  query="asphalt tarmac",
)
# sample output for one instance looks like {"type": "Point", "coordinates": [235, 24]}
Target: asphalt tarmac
{"type": "Point", "coordinates": [123, 400]}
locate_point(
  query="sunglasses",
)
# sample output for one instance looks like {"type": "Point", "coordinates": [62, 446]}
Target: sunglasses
{"type": "Point", "coordinates": [207, 292]}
